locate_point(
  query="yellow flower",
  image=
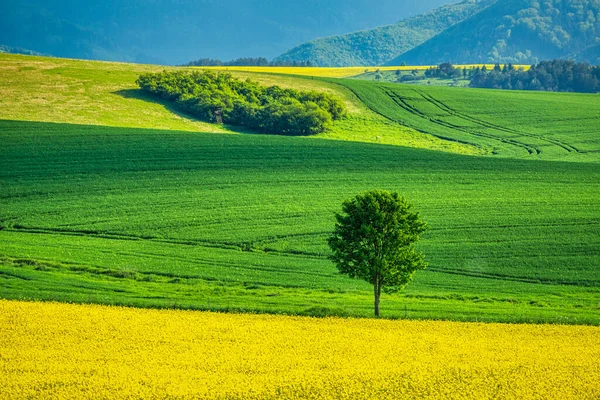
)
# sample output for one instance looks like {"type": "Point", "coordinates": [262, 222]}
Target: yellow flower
{"type": "Point", "coordinates": [56, 351]}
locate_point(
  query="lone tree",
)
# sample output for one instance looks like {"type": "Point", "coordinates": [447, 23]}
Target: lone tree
{"type": "Point", "coordinates": [373, 240]}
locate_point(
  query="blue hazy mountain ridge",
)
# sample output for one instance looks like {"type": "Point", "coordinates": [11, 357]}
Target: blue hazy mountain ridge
{"type": "Point", "coordinates": [174, 32]}
{"type": "Point", "coordinates": [379, 45]}
{"type": "Point", "coordinates": [517, 31]}
{"type": "Point", "coordinates": [19, 50]}
{"type": "Point", "coordinates": [591, 55]}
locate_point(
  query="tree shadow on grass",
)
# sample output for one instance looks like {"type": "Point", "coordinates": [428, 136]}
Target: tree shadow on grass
{"type": "Point", "coordinates": [170, 106]}
{"type": "Point", "coordinates": [139, 94]}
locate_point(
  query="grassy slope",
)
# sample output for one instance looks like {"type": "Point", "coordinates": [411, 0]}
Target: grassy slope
{"type": "Point", "coordinates": [540, 125]}
{"type": "Point", "coordinates": [99, 93]}
{"type": "Point", "coordinates": [83, 92]}
{"type": "Point", "coordinates": [165, 218]}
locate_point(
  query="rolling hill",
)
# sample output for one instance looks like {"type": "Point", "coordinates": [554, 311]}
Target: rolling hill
{"type": "Point", "coordinates": [103, 93]}
{"type": "Point", "coordinates": [516, 31]}
{"type": "Point", "coordinates": [135, 215]}
{"type": "Point", "coordinates": [563, 127]}
{"type": "Point", "coordinates": [379, 45]}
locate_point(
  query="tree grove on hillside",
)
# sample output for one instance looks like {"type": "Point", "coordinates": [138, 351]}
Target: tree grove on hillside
{"type": "Point", "coordinates": [379, 45]}
{"type": "Point", "coordinates": [444, 71]}
{"type": "Point", "coordinates": [210, 96]}
{"type": "Point", "coordinates": [373, 241]}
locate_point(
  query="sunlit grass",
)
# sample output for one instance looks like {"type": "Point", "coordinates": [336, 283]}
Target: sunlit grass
{"type": "Point", "coordinates": [104, 93]}
{"type": "Point", "coordinates": [155, 218]}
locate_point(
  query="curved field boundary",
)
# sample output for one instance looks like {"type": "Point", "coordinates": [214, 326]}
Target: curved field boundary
{"type": "Point", "coordinates": [442, 106]}
{"type": "Point", "coordinates": [412, 109]}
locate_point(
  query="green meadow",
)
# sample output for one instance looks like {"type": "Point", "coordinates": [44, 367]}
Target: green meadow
{"type": "Point", "coordinates": [519, 124]}
{"type": "Point", "coordinates": [103, 93]}
{"type": "Point", "coordinates": [95, 208]}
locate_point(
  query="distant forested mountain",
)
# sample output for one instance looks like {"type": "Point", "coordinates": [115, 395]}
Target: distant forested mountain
{"type": "Point", "coordinates": [18, 50]}
{"type": "Point", "coordinates": [379, 45]}
{"type": "Point", "coordinates": [591, 55]}
{"type": "Point", "coordinates": [175, 32]}
{"type": "Point", "coordinates": [516, 31]}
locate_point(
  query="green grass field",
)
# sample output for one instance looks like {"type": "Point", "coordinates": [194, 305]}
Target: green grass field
{"type": "Point", "coordinates": [219, 221]}
{"type": "Point", "coordinates": [102, 93]}
{"type": "Point", "coordinates": [521, 124]}
{"type": "Point", "coordinates": [109, 196]}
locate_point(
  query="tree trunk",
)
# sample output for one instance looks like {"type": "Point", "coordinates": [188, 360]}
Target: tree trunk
{"type": "Point", "coordinates": [377, 293]}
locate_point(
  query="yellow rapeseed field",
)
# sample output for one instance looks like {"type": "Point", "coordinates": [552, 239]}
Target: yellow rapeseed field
{"type": "Point", "coordinates": [329, 72]}
{"type": "Point", "coordinates": [337, 72]}
{"type": "Point", "coordinates": [57, 351]}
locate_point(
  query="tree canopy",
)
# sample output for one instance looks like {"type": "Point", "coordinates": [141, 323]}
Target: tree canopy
{"type": "Point", "coordinates": [374, 238]}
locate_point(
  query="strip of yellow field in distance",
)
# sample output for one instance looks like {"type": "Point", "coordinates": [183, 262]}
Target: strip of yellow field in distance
{"type": "Point", "coordinates": [341, 72]}
{"type": "Point", "coordinates": [328, 72]}
{"type": "Point", "coordinates": [55, 350]}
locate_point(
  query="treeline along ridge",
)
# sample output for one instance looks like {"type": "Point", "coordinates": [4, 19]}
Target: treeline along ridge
{"type": "Point", "coordinates": [209, 95]}
{"type": "Point", "coordinates": [552, 76]}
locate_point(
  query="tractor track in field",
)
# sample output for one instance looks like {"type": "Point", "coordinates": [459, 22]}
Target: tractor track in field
{"type": "Point", "coordinates": [379, 112]}
{"type": "Point", "coordinates": [504, 277]}
{"type": "Point", "coordinates": [139, 275]}
{"type": "Point", "coordinates": [406, 105]}
{"type": "Point", "coordinates": [248, 247]}
{"type": "Point", "coordinates": [444, 107]}
{"type": "Point", "coordinates": [415, 111]}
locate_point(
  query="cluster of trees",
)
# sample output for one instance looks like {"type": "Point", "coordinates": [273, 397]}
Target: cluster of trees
{"type": "Point", "coordinates": [221, 97]}
{"type": "Point", "coordinates": [556, 76]}
{"type": "Point", "coordinates": [446, 71]}
{"type": "Point", "coordinates": [247, 62]}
